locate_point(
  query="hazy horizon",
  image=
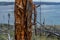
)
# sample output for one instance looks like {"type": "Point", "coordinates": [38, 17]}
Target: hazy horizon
{"type": "Point", "coordinates": [33, 0]}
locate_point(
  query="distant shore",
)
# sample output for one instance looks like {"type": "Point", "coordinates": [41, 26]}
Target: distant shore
{"type": "Point", "coordinates": [41, 3]}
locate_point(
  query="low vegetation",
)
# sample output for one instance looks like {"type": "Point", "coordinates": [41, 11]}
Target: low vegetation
{"type": "Point", "coordinates": [4, 31]}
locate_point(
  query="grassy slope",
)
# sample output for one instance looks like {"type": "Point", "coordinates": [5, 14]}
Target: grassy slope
{"type": "Point", "coordinates": [4, 27]}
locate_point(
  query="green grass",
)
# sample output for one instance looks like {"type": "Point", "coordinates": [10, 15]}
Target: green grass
{"type": "Point", "coordinates": [43, 38]}
{"type": "Point", "coordinates": [3, 37]}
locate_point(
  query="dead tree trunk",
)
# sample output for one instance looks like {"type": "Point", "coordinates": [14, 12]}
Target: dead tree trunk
{"type": "Point", "coordinates": [23, 17]}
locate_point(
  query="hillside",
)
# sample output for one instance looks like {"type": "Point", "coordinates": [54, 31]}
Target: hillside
{"type": "Point", "coordinates": [42, 3]}
{"type": "Point", "coordinates": [6, 3]}
{"type": "Point", "coordinates": [47, 3]}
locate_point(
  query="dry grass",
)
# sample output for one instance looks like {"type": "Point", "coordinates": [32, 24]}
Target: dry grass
{"type": "Point", "coordinates": [43, 38]}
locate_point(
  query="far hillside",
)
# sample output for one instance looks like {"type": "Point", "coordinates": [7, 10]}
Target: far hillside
{"type": "Point", "coordinates": [41, 3]}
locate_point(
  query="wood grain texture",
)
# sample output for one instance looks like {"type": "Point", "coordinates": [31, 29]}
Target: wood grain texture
{"type": "Point", "coordinates": [23, 19]}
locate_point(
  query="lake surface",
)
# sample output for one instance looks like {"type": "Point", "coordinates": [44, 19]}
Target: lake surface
{"type": "Point", "coordinates": [4, 10]}
{"type": "Point", "coordinates": [51, 13]}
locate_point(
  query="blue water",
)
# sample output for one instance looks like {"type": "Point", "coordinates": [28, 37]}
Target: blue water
{"type": "Point", "coordinates": [51, 13]}
{"type": "Point", "coordinates": [4, 10]}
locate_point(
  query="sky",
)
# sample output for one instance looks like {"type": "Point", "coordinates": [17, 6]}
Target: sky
{"type": "Point", "coordinates": [7, 0]}
{"type": "Point", "coordinates": [35, 0]}
{"type": "Point", "coordinates": [50, 0]}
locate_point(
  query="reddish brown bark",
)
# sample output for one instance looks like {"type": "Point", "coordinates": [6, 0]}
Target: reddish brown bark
{"type": "Point", "coordinates": [23, 17]}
